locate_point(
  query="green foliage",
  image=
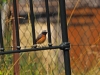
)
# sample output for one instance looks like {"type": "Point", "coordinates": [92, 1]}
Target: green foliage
{"type": "Point", "coordinates": [2, 1]}
{"type": "Point", "coordinates": [1, 73]}
{"type": "Point", "coordinates": [6, 60]}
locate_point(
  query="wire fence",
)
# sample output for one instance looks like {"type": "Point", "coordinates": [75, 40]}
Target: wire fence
{"type": "Point", "coordinates": [83, 30]}
{"type": "Point", "coordinates": [32, 63]}
{"type": "Point", "coordinates": [83, 34]}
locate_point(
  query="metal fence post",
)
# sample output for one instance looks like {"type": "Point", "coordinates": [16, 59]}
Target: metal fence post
{"type": "Point", "coordinates": [65, 37]}
{"type": "Point", "coordinates": [48, 22]}
{"type": "Point", "coordinates": [1, 35]}
{"type": "Point", "coordinates": [32, 19]}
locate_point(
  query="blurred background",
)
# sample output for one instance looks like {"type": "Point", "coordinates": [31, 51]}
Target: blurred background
{"type": "Point", "coordinates": [83, 33]}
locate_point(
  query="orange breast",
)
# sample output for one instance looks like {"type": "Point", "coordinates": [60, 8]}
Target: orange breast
{"type": "Point", "coordinates": [41, 40]}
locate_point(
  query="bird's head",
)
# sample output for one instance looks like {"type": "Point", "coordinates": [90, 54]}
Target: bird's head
{"type": "Point", "coordinates": [44, 32]}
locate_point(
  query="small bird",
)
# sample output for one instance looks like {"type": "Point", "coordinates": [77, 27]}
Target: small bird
{"type": "Point", "coordinates": [41, 37]}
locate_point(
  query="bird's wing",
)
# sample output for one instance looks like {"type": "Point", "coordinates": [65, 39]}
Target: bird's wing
{"type": "Point", "coordinates": [39, 36]}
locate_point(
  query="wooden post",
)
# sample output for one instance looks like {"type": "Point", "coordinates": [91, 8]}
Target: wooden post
{"type": "Point", "coordinates": [16, 55]}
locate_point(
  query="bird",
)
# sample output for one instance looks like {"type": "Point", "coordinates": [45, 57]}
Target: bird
{"type": "Point", "coordinates": [41, 37]}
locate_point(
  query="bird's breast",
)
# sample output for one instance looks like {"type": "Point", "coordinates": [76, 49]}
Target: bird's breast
{"type": "Point", "coordinates": [41, 40]}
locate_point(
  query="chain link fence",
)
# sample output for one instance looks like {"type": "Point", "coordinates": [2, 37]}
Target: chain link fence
{"type": "Point", "coordinates": [84, 36]}
{"type": "Point", "coordinates": [32, 63]}
{"type": "Point", "coordinates": [83, 33]}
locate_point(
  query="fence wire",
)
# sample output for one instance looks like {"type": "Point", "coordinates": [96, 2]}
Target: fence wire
{"type": "Point", "coordinates": [32, 63]}
{"type": "Point", "coordinates": [83, 32]}
{"type": "Point", "coordinates": [84, 36]}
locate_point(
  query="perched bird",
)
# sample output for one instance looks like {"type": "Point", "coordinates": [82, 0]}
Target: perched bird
{"type": "Point", "coordinates": [41, 37]}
